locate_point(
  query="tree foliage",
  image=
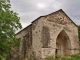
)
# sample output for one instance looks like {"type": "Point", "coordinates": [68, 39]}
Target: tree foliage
{"type": "Point", "coordinates": [79, 32]}
{"type": "Point", "coordinates": [9, 23]}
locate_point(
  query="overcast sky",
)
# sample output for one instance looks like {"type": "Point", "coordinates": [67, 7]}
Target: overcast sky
{"type": "Point", "coordinates": [29, 10]}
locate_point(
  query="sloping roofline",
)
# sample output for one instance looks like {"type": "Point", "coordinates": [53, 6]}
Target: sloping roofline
{"type": "Point", "coordinates": [68, 17]}
{"type": "Point", "coordinates": [54, 13]}
{"type": "Point", "coordinates": [24, 29]}
{"type": "Point", "coordinates": [46, 16]}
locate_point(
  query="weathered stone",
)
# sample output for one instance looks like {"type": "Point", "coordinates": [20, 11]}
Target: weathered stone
{"type": "Point", "coordinates": [52, 34]}
{"type": "Point", "coordinates": [45, 37]}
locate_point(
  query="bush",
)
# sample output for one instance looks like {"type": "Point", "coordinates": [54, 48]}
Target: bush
{"type": "Point", "coordinates": [2, 58]}
{"type": "Point", "coordinates": [49, 58]}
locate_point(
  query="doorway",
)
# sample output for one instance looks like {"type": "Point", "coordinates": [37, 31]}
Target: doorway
{"type": "Point", "coordinates": [63, 44]}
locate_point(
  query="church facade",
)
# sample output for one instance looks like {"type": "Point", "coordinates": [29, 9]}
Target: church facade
{"type": "Point", "coordinates": [48, 35]}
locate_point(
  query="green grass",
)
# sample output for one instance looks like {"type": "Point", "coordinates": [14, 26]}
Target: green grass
{"type": "Point", "coordinates": [58, 57]}
{"type": "Point", "coordinates": [73, 57]}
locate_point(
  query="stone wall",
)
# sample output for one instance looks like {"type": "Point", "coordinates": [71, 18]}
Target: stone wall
{"type": "Point", "coordinates": [56, 22]}
{"type": "Point", "coordinates": [25, 48]}
{"type": "Point", "coordinates": [39, 40]}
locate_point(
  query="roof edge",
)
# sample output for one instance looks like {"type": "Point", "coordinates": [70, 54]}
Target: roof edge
{"type": "Point", "coordinates": [46, 16]}
{"type": "Point", "coordinates": [69, 18]}
{"type": "Point", "coordinates": [23, 29]}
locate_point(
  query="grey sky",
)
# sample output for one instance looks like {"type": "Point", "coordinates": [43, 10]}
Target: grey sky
{"type": "Point", "coordinates": [29, 10]}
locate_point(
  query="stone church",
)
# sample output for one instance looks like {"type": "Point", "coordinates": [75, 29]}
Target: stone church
{"type": "Point", "coordinates": [48, 35]}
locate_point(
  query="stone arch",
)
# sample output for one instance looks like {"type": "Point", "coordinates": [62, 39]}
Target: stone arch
{"type": "Point", "coordinates": [63, 44]}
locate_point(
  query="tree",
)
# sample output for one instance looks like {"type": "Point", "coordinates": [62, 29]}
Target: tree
{"type": "Point", "coordinates": [9, 23]}
{"type": "Point", "coordinates": [79, 32]}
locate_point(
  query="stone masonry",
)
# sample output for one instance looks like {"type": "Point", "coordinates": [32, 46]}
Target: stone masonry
{"type": "Point", "coordinates": [48, 35]}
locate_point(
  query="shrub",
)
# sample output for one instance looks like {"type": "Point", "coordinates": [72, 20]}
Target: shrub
{"type": "Point", "coordinates": [49, 58]}
{"type": "Point", "coordinates": [2, 58]}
